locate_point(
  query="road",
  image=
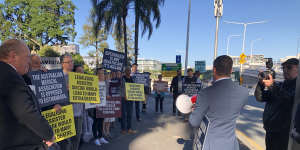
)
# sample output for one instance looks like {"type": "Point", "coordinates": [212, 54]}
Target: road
{"type": "Point", "coordinates": [156, 131]}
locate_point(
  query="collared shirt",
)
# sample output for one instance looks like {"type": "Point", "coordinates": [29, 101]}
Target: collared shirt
{"type": "Point", "coordinates": [12, 66]}
{"type": "Point", "coordinates": [222, 79]}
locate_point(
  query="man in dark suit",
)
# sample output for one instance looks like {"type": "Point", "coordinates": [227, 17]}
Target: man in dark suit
{"type": "Point", "coordinates": [176, 88]}
{"type": "Point", "coordinates": [22, 126]}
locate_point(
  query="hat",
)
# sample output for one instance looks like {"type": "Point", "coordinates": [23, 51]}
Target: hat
{"type": "Point", "coordinates": [291, 61]}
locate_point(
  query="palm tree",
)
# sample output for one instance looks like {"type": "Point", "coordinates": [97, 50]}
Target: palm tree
{"type": "Point", "coordinates": [109, 13]}
{"type": "Point", "coordinates": [144, 9]}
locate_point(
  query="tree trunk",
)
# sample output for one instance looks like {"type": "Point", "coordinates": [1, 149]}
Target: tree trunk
{"type": "Point", "coordinates": [136, 32]}
{"type": "Point", "coordinates": [125, 39]}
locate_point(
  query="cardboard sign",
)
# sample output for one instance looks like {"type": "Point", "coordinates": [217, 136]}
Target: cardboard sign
{"type": "Point", "coordinates": [115, 88]}
{"type": "Point", "coordinates": [62, 123]}
{"type": "Point", "coordinates": [102, 93]}
{"type": "Point", "coordinates": [191, 89]}
{"type": "Point", "coordinates": [83, 88]}
{"type": "Point", "coordinates": [200, 135]}
{"type": "Point", "coordinates": [161, 86]}
{"type": "Point", "coordinates": [50, 87]}
{"type": "Point", "coordinates": [111, 109]}
{"type": "Point", "coordinates": [113, 60]}
{"type": "Point", "coordinates": [141, 78]}
{"type": "Point", "coordinates": [134, 92]}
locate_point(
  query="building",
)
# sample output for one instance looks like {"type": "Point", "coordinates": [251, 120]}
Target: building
{"type": "Point", "coordinates": [62, 49]}
{"type": "Point", "coordinates": [287, 57]}
{"type": "Point", "coordinates": [148, 65]}
{"type": "Point", "coordinates": [256, 60]}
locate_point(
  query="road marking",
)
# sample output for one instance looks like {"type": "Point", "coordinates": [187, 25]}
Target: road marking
{"type": "Point", "coordinates": [248, 141]}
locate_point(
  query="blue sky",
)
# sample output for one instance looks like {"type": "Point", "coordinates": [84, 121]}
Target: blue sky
{"type": "Point", "coordinates": [279, 34]}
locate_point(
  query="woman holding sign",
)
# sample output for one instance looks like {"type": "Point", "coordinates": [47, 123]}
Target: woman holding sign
{"type": "Point", "coordinates": [160, 87]}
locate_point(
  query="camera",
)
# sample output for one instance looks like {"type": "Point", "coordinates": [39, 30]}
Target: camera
{"type": "Point", "coordinates": [269, 71]}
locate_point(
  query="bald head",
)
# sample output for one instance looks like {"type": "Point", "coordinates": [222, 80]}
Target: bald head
{"type": "Point", "coordinates": [16, 53]}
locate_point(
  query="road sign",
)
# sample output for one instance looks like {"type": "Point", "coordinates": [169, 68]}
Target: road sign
{"type": "Point", "coordinates": [242, 58]}
{"type": "Point", "coordinates": [170, 69]}
{"type": "Point", "coordinates": [200, 66]}
{"type": "Point", "coordinates": [178, 59]}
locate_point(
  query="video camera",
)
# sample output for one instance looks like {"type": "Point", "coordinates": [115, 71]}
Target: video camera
{"type": "Point", "coordinates": [269, 71]}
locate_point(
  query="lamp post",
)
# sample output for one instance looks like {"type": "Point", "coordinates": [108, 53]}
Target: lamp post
{"type": "Point", "coordinates": [298, 40]}
{"type": "Point", "coordinates": [244, 37]}
{"type": "Point", "coordinates": [218, 12]}
{"type": "Point", "coordinates": [228, 42]}
{"type": "Point", "coordinates": [252, 43]}
{"type": "Point", "coordinates": [187, 39]}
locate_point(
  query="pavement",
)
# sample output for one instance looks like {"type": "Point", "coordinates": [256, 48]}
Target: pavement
{"type": "Point", "coordinates": [156, 131]}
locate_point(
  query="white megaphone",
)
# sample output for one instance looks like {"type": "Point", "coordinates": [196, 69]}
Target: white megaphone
{"type": "Point", "coordinates": [184, 103]}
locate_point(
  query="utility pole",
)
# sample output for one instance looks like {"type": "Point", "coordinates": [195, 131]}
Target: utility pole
{"type": "Point", "coordinates": [252, 42]}
{"type": "Point", "coordinates": [187, 39]}
{"type": "Point", "coordinates": [218, 12]}
{"type": "Point", "coordinates": [244, 38]}
{"type": "Point", "coordinates": [228, 42]}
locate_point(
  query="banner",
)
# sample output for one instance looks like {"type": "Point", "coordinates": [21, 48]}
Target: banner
{"type": "Point", "coordinates": [191, 89]}
{"type": "Point", "coordinates": [142, 78]}
{"type": "Point", "coordinates": [111, 109]}
{"type": "Point", "coordinates": [200, 135]}
{"type": "Point", "coordinates": [62, 123]}
{"type": "Point", "coordinates": [134, 92]}
{"type": "Point", "coordinates": [113, 60]}
{"type": "Point", "coordinates": [50, 87]}
{"type": "Point", "coordinates": [170, 69]}
{"type": "Point", "coordinates": [83, 88]}
{"type": "Point", "coordinates": [102, 94]}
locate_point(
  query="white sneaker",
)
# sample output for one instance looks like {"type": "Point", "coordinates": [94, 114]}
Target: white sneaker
{"type": "Point", "coordinates": [103, 141]}
{"type": "Point", "coordinates": [97, 142]}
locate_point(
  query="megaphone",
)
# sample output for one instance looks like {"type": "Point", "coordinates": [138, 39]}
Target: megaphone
{"type": "Point", "coordinates": [184, 103]}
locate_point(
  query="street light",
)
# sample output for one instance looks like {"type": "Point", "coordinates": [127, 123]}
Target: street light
{"type": "Point", "coordinates": [187, 39]}
{"type": "Point", "coordinates": [298, 40]}
{"type": "Point", "coordinates": [252, 42]}
{"type": "Point", "coordinates": [244, 37]}
{"type": "Point", "coordinates": [218, 12]}
{"type": "Point", "coordinates": [228, 42]}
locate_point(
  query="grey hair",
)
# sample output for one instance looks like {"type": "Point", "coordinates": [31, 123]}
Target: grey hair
{"type": "Point", "coordinates": [10, 45]}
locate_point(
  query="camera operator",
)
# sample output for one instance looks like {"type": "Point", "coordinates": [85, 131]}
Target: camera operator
{"type": "Point", "coordinates": [279, 98]}
{"type": "Point", "coordinates": [269, 66]}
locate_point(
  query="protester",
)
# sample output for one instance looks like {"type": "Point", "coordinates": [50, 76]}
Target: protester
{"type": "Point", "coordinates": [160, 89]}
{"type": "Point", "coordinates": [127, 106]}
{"type": "Point", "coordinates": [22, 126]}
{"type": "Point", "coordinates": [137, 103]}
{"type": "Point", "coordinates": [279, 99]}
{"type": "Point", "coordinates": [197, 76]}
{"type": "Point", "coordinates": [35, 65]}
{"type": "Point", "coordinates": [97, 126]}
{"type": "Point", "coordinates": [221, 103]}
{"type": "Point", "coordinates": [176, 89]}
{"type": "Point", "coordinates": [190, 78]}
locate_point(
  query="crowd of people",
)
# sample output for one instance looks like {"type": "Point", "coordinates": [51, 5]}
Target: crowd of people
{"type": "Point", "coordinates": [221, 103]}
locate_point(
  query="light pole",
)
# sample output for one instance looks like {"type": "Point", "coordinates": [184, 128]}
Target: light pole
{"type": "Point", "coordinates": [252, 43]}
{"type": "Point", "coordinates": [187, 39]}
{"type": "Point", "coordinates": [218, 12]}
{"type": "Point", "coordinates": [244, 37]}
{"type": "Point", "coordinates": [298, 40]}
{"type": "Point", "coordinates": [228, 42]}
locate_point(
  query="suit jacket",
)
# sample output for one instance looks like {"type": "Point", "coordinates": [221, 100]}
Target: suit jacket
{"type": "Point", "coordinates": [174, 85]}
{"type": "Point", "coordinates": [221, 103]}
{"type": "Point", "coordinates": [22, 126]}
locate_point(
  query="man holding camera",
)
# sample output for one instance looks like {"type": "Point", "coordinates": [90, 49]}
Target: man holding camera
{"type": "Point", "coordinates": [279, 98]}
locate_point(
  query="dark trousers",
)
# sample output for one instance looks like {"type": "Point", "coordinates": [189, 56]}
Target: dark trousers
{"type": "Point", "coordinates": [277, 140]}
{"type": "Point", "coordinates": [175, 95]}
{"type": "Point", "coordinates": [137, 109]}
{"type": "Point", "coordinates": [76, 139]}
{"type": "Point", "coordinates": [127, 107]}
{"type": "Point", "coordinates": [97, 127]}
{"type": "Point", "coordinates": [65, 144]}
{"type": "Point", "coordinates": [159, 99]}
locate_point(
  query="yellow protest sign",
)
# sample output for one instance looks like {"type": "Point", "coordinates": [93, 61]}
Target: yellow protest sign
{"type": "Point", "coordinates": [242, 58]}
{"type": "Point", "coordinates": [83, 88]}
{"type": "Point", "coordinates": [62, 123]}
{"type": "Point", "coordinates": [135, 92]}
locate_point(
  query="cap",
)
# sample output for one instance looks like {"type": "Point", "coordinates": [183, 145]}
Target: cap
{"type": "Point", "coordinates": [291, 61]}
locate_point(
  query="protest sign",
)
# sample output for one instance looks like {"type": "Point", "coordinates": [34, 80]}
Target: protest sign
{"type": "Point", "coordinates": [83, 88]}
{"type": "Point", "coordinates": [113, 60]}
{"type": "Point", "coordinates": [50, 87]}
{"type": "Point", "coordinates": [115, 88]}
{"type": "Point", "coordinates": [161, 86]}
{"type": "Point", "coordinates": [134, 92]}
{"type": "Point", "coordinates": [62, 123]}
{"type": "Point", "coordinates": [191, 89]}
{"type": "Point", "coordinates": [102, 94]}
{"type": "Point", "coordinates": [141, 78]}
{"type": "Point", "coordinates": [111, 109]}
{"type": "Point", "coordinates": [200, 135]}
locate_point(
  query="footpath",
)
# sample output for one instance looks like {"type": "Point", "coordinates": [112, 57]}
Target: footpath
{"type": "Point", "coordinates": [156, 131]}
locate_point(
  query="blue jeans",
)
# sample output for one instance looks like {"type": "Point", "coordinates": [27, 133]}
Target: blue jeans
{"type": "Point", "coordinates": [127, 107]}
